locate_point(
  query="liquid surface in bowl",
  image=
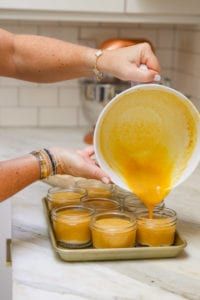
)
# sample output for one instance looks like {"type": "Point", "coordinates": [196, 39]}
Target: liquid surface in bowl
{"type": "Point", "coordinates": [147, 137]}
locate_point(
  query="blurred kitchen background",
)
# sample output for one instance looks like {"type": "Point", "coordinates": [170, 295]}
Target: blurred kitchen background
{"type": "Point", "coordinates": [175, 35]}
{"type": "Point", "coordinates": [173, 28]}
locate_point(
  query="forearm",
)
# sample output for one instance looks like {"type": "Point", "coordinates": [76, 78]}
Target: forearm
{"type": "Point", "coordinates": [43, 59]}
{"type": "Point", "coordinates": [16, 174]}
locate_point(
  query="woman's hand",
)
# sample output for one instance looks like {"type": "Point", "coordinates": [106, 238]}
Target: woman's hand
{"type": "Point", "coordinates": [124, 63]}
{"type": "Point", "coordinates": [79, 163]}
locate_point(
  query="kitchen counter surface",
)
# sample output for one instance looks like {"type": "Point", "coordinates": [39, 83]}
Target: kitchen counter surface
{"type": "Point", "coordinates": [39, 274]}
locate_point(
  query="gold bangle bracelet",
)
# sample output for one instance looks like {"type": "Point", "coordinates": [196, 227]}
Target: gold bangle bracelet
{"type": "Point", "coordinates": [98, 74]}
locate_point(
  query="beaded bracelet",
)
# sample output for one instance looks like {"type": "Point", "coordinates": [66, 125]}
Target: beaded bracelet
{"type": "Point", "coordinates": [53, 161]}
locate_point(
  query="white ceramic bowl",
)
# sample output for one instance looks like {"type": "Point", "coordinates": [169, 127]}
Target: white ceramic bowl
{"type": "Point", "coordinates": [194, 159]}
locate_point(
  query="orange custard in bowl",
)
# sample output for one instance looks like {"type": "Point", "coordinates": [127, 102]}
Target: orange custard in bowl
{"type": "Point", "coordinates": [71, 226]}
{"type": "Point", "coordinates": [147, 138]}
{"type": "Point", "coordinates": [57, 197]}
{"type": "Point", "coordinates": [113, 230]}
{"type": "Point", "coordinates": [156, 232]}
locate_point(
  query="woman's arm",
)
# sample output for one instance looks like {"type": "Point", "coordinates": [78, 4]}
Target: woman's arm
{"type": "Point", "coordinates": [43, 59]}
{"type": "Point", "coordinates": [16, 174]}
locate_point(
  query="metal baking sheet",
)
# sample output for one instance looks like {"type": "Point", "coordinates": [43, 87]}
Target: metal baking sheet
{"type": "Point", "coordinates": [92, 254]}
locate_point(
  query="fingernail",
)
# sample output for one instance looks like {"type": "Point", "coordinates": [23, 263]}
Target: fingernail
{"type": "Point", "coordinates": [157, 77]}
{"type": "Point", "coordinates": [105, 180]}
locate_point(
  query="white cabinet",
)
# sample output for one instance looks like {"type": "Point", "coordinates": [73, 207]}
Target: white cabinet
{"type": "Point", "coordinates": [5, 251]}
{"type": "Point", "coordinates": [174, 7]}
{"type": "Point", "coordinates": [117, 11]}
{"type": "Point", "coordinates": [6, 283]}
{"type": "Point", "coordinates": [66, 5]}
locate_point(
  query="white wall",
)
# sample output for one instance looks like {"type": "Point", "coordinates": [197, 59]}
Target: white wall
{"type": "Point", "coordinates": [27, 104]}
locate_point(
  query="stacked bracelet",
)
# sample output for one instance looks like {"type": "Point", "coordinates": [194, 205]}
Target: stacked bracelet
{"type": "Point", "coordinates": [47, 162]}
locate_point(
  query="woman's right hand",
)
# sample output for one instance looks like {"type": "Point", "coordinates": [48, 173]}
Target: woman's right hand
{"type": "Point", "coordinates": [124, 63]}
{"type": "Point", "coordinates": [78, 163]}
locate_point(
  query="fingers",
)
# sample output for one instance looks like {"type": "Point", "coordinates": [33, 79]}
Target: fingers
{"type": "Point", "coordinates": [140, 75]}
{"type": "Point", "coordinates": [95, 172]}
{"type": "Point", "coordinates": [89, 150]}
{"type": "Point", "coordinates": [149, 58]}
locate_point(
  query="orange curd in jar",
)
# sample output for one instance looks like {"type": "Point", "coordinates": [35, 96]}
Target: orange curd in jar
{"type": "Point", "coordinates": [113, 230]}
{"type": "Point", "coordinates": [159, 231]}
{"type": "Point", "coordinates": [71, 226]}
{"type": "Point", "coordinates": [61, 197]}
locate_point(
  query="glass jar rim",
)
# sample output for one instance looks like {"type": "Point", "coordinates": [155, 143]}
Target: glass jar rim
{"type": "Point", "coordinates": [133, 201]}
{"type": "Point", "coordinates": [71, 207]}
{"type": "Point", "coordinates": [110, 214]}
{"type": "Point", "coordinates": [94, 184]}
{"type": "Point", "coordinates": [88, 199]}
{"type": "Point", "coordinates": [57, 190]}
{"type": "Point", "coordinates": [168, 213]}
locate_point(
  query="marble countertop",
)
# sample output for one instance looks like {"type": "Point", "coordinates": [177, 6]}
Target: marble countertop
{"type": "Point", "coordinates": [39, 274]}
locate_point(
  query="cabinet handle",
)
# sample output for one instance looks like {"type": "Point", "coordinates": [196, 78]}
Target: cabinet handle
{"type": "Point", "coordinates": [9, 252]}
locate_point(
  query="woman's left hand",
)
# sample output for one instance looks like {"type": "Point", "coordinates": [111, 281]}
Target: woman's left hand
{"type": "Point", "coordinates": [79, 163]}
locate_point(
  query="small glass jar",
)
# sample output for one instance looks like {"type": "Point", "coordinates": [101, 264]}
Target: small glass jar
{"type": "Point", "coordinates": [100, 204]}
{"type": "Point", "coordinates": [57, 197]}
{"type": "Point", "coordinates": [134, 205]}
{"type": "Point", "coordinates": [113, 230]}
{"type": "Point", "coordinates": [96, 188]}
{"type": "Point", "coordinates": [71, 226]}
{"type": "Point", "coordinates": [159, 231]}
{"type": "Point", "coordinates": [120, 194]}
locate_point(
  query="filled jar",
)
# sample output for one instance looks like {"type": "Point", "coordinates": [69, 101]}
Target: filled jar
{"type": "Point", "coordinates": [96, 188]}
{"type": "Point", "coordinates": [71, 226]}
{"type": "Point", "coordinates": [113, 230]}
{"type": "Point", "coordinates": [57, 197]}
{"type": "Point", "coordinates": [100, 204]}
{"type": "Point", "coordinates": [134, 205]}
{"type": "Point", "coordinates": [159, 231]}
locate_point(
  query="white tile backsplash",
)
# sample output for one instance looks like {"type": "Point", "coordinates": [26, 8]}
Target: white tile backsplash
{"type": "Point", "coordinates": [59, 104]}
{"type": "Point", "coordinates": [69, 96]}
{"type": "Point", "coordinates": [146, 33]}
{"type": "Point", "coordinates": [66, 33]}
{"type": "Point", "coordinates": [58, 117]}
{"type": "Point", "coordinates": [8, 96]}
{"type": "Point", "coordinates": [38, 96]}
{"type": "Point", "coordinates": [165, 38]}
{"type": "Point", "coordinates": [18, 116]}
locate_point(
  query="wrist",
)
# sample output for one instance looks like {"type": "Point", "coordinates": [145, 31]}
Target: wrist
{"type": "Point", "coordinates": [89, 58]}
